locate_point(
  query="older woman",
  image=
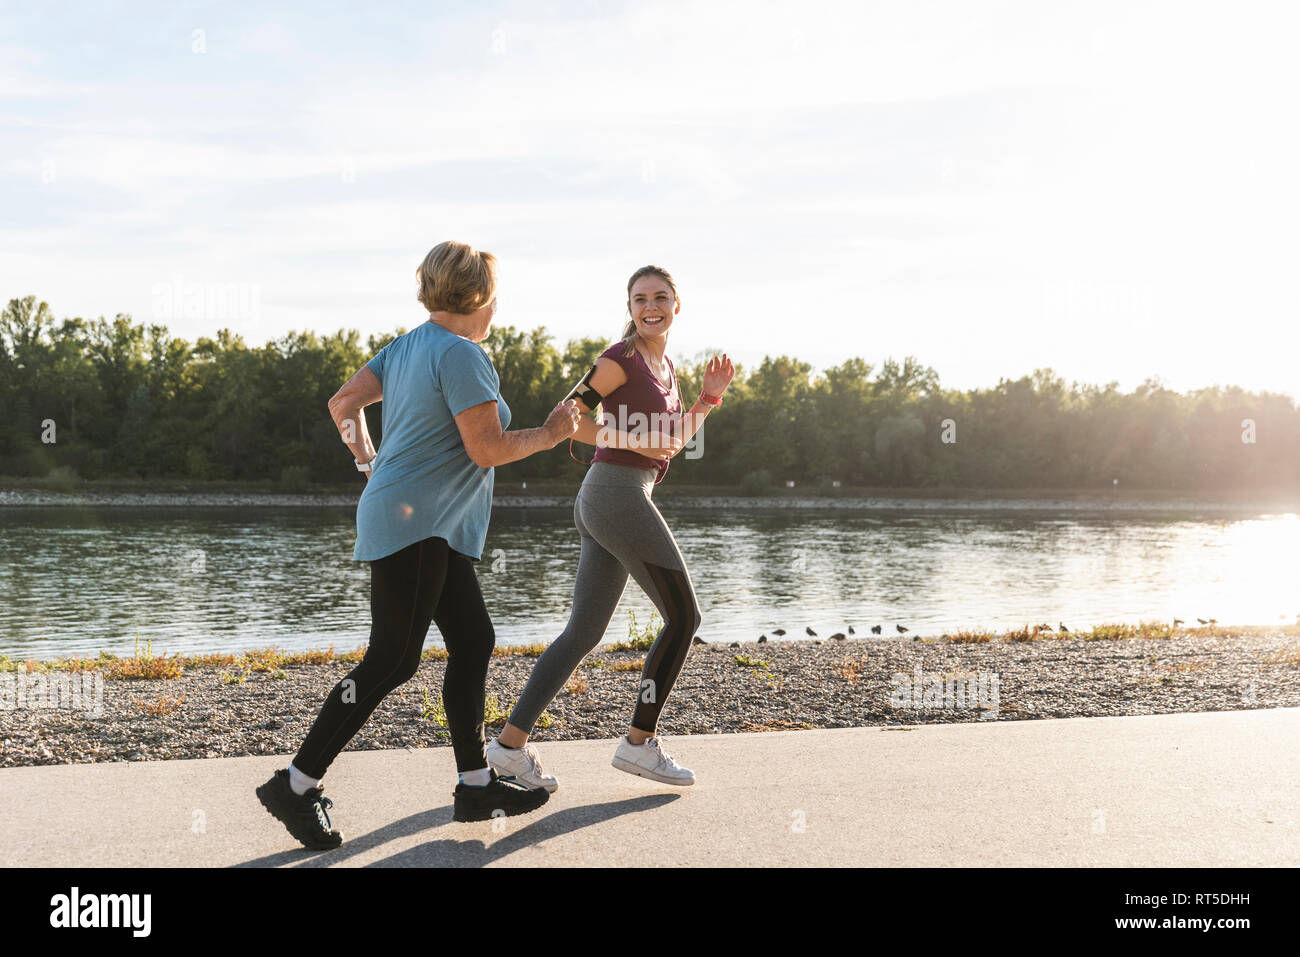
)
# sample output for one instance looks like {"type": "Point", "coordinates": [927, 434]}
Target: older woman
{"type": "Point", "coordinates": [421, 523]}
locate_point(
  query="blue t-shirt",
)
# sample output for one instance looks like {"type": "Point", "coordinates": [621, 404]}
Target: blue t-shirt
{"type": "Point", "coordinates": [423, 483]}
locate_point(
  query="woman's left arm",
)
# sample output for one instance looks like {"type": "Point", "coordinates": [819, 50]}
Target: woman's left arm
{"type": "Point", "coordinates": [347, 408]}
{"type": "Point", "coordinates": [717, 376]}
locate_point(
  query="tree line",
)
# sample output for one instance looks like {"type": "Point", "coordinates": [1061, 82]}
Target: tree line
{"type": "Point", "coordinates": [116, 398]}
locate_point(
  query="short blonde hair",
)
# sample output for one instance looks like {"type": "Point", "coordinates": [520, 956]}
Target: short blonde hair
{"type": "Point", "coordinates": [456, 277]}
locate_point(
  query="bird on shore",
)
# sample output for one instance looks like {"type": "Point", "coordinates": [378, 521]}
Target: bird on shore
{"type": "Point", "coordinates": [734, 644]}
{"type": "Point", "coordinates": [901, 629]}
{"type": "Point", "coordinates": [1063, 630]}
{"type": "Point", "coordinates": [1202, 621]}
{"type": "Point", "coordinates": [851, 631]}
{"type": "Point", "coordinates": [838, 636]}
{"type": "Point", "coordinates": [875, 629]}
{"type": "Point", "coordinates": [1177, 622]}
{"type": "Point", "coordinates": [1045, 627]}
{"type": "Point", "coordinates": [1214, 621]}
{"type": "Point", "coordinates": [697, 640]}
{"type": "Point", "coordinates": [762, 638]}
{"type": "Point", "coordinates": [779, 632]}
{"type": "Point", "coordinates": [811, 633]}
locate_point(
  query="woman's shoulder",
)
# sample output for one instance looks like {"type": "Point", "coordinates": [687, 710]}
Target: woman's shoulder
{"type": "Point", "coordinates": [616, 352]}
{"type": "Point", "coordinates": [443, 343]}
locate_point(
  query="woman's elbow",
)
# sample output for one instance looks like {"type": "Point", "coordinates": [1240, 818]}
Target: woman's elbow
{"type": "Point", "coordinates": [480, 456]}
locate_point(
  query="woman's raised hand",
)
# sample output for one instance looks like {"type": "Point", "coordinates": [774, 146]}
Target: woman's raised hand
{"type": "Point", "coordinates": [717, 375]}
{"type": "Point", "coordinates": [563, 420]}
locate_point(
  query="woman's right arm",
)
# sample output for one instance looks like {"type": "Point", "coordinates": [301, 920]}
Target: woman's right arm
{"type": "Point", "coordinates": [348, 409]}
{"type": "Point", "coordinates": [488, 444]}
{"type": "Point", "coordinates": [607, 376]}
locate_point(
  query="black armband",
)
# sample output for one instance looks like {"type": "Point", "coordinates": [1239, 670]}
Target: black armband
{"type": "Point", "coordinates": [584, 393]}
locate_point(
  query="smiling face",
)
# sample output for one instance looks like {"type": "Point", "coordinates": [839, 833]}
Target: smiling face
{"type": "Point", "coordinates": [652, 306]}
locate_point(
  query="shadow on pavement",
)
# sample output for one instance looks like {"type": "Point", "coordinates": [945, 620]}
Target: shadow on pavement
{"type": "Point", "coordinates": [450, 852]}
{"type": "Point", "coordinates": [473, 853]}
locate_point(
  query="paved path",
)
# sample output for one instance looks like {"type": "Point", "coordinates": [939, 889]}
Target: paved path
{"type": "Point", "coordinates": [1209, 789]}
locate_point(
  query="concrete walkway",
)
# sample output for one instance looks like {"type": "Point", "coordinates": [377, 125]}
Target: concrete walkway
{"type": "Point", "coordinates": [1210, 789]}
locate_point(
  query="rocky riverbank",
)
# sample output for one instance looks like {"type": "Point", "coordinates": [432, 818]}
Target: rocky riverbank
{"type": "Point", "coordinates": [216, 711]}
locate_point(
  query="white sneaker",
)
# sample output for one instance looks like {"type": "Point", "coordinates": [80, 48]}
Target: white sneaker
{"type": "Point", "coordinates": [522, 764]}
{"type": "Point", "coordinates": [649, 761]}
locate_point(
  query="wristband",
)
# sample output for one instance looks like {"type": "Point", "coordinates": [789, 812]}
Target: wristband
{"type": "Point", "coordinates": [707, 399]}
{"type": "Point", "coordinates": [363, 466]}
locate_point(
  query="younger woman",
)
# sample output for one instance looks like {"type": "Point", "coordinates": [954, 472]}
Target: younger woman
{"type": "Point", "coordinates": [623, 533]}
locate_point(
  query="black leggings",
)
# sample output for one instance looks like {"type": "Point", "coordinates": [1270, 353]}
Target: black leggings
{"type": "Point", "coordinates": [424, 582]}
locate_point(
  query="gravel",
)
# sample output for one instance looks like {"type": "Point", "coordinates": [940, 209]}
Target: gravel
{"type": "Point", "coordinates": [786, 685]}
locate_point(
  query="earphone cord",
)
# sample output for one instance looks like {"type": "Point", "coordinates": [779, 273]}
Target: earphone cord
{"type": "Point", "coordinates": [575, 458]}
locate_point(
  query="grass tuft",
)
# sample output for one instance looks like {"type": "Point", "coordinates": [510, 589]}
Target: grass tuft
{"type": "Point", "coordinates": [971, 637]}
{"type": "Point", "coordinates": [143, 665]}
{"type": "Point", "coordinates": [1119, 632]}
{"type": "Point", "coordinates": [526, 651]}
{"type": "Point", "coordinates": [493, 712]}
{"type": "Point", "coordinates": [639, 637]}
{"type": "Point", "coordinates": [577, 685]}
{"type": "Point", "coordinates": [164, 705]}
{"type": "Point", "coordinates": [1283, 656]}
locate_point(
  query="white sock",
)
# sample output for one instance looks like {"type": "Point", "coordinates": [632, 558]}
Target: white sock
{"type": "Point", "coordinates": [476, 779]}
{"type": "Point", "coordinates": [299, 783]}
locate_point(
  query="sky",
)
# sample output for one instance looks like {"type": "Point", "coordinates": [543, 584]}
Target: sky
{"type": "Point", "coordinates": [1106, 189]}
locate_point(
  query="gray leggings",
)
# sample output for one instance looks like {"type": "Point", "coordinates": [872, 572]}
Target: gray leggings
{"type": "Point", "coordinates": [622, 533]}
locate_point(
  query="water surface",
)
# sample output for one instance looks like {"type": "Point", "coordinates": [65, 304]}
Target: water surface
{"type": "Point", "coordinates": [77, 580]}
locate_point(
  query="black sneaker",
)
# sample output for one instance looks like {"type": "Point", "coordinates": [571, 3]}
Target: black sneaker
{"type": "Point", "coordinates": [503, 796]}
{"type": "Point", "coordinates": [304, 815]}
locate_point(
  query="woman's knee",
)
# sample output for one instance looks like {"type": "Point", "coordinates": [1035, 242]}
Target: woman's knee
{"type": "Point", "coordinates": [397, 673]}
{"type": "Point", "coordinates": [472, 645]}
{"type": "Point", "coordinates": [685, 621]}
{"type": "Point", "coordinates": [681, 609]}
{"type": "Point", "coordinates": [574, 644]}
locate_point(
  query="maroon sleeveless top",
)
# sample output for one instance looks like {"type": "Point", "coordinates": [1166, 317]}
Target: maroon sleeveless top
{"type": "Point", "coordinates": [636, 406]}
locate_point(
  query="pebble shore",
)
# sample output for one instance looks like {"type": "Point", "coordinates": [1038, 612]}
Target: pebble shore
{"type": "Point", "coordinates": [722, 689]}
